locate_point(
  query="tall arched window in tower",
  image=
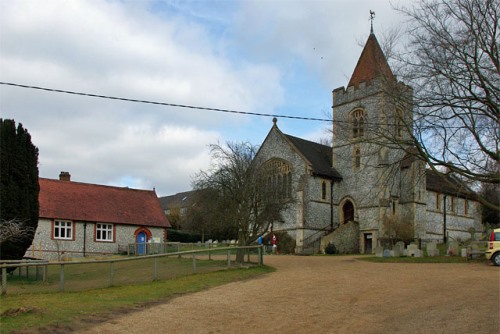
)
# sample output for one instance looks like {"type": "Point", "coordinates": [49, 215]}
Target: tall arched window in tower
{"type": "Point", "coordinates": [279, 177]}
{"type": "Point", "coordinates": [357, 158]}
{"type": "Point", "coordinates": [398, 123]}
{"type": "Point", "coordinates": [357, 121]}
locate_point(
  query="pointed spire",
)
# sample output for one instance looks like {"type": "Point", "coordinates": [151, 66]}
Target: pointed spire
{"type": "Point", "coordinates": [371, 64]}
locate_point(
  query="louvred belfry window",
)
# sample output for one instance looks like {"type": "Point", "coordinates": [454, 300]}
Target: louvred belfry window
{"type": "Point", "coordinates": [357, 120]}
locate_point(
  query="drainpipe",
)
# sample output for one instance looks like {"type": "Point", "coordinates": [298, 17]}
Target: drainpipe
{"type": "Point", "coordinates": [444, 219]}
{"type": "Point", "coordinates": [331, 205]}
{"type": "Point", "coordinates": [84, 237]}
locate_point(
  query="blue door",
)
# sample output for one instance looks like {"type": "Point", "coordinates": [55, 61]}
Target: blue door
{"type": "Point", "coordinates": [141, 243]}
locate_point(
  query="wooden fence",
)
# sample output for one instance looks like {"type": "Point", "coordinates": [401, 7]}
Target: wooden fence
{"type": "Point", "coordinates": [224, 254]}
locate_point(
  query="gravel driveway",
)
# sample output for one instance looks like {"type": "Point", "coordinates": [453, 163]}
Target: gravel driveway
{"type": "Point", "coordinates": [333, 295]}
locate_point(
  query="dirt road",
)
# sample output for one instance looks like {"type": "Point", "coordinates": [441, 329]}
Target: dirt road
{"type": "Point", "coordinates": [333, 295]}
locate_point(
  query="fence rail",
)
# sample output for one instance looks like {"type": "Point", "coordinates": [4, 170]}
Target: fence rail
{"type": "Point", "coordinates": [198, 259]}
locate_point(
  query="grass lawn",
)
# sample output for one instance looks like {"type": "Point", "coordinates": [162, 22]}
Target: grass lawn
{"type": "Point", "coordinates": [32, 312]}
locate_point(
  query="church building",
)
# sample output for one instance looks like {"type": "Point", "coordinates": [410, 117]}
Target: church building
{"type": "Point", "coordinates": [363, 190]}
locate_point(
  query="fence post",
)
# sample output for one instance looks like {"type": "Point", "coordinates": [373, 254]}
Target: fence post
{"type": "Point", "coordinates": [261, 257]}
{"type": "Point", "coordinates": [111, 274]}
{"type": "Point", "coordinates": [179, 249]}
{"type": "Point", "coordinates": [4, 281]}
{"type": "Point", "coordinates": [209, 252]}
{"type": "Point", "coordinates": [155, 269]}
{"type": "Point", "coordinates": [61, 279]}
{"type": "Point", "coordinates": [228, 258]}
{"type": "Point", "coordinates": [44, 277]}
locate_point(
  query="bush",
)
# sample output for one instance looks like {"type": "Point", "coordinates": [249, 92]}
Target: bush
{"type": "Point", "coordinates": [286, 244]}
{"type": "Point", "coordinates": [330, 248]}
{"type": "Point", "coordinates": [183, 236]}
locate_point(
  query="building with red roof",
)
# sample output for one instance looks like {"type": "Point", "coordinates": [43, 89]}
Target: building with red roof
{"type": "Point", "coordinates": [81, 219]}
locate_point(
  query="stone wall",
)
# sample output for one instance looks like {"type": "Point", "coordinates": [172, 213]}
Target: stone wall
{"type": "Point", "coordinates": [345, 239]}
{"type": "Point", "coordinates": [45, 247]}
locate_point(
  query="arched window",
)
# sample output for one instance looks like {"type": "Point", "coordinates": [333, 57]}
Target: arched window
{"type": "Point", "coordinates": [398, 123]}
{"type": "Point", "coordinates": [357, 158]}
{"type": "Point", "coordinates": [357, 121]}
{"type": "Point", "coordinates": [279, 177]}
{"type": "Point", "coordinates": [323, 190]}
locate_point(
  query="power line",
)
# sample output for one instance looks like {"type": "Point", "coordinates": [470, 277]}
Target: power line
{"type": "Point", "coordinates": [200, 108]}
{"type": "Point", "coordinates": [164, 103]}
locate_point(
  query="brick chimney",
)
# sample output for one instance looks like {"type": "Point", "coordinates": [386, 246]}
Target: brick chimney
{"type": "Point", "coordinates": [65, 176]}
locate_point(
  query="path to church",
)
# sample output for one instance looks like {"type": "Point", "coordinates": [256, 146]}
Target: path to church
{"type": "Point", "coordinates": [333, 295]}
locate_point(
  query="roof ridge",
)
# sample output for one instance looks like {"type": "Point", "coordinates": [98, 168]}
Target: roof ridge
{"type": "Point", "coordinates": [96, 185]}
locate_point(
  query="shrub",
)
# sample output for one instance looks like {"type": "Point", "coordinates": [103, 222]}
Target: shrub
{"type": "Point", "coordinates": [330, 248]}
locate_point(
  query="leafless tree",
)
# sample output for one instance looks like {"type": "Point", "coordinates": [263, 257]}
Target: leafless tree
{"type": "Point", "coordinates": [451, 61]}
{"type": "Point", "coordinates": [237, 193]}
{"type": "Point", "coordinates": [15, 231]}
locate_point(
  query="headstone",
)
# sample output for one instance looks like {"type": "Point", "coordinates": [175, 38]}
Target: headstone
{"type": "Point", "coordinates": [417, 253]}
{"type": "Point", "coordinates": [432, 249]}
{"type": "Point", "coordinates": [413, 250]}
{"type": "Point", "coordinates": [399, 248]}
{"type": "Point", "coordinates": [387, 253]}
{"type": "Point", "coordinates": [379, 251]}
{"type": "Point", "coordinates": [395, 252]}
{"type": "Point", "coordinates": [453, 248]}
{"type": "Point", "coordinates": [463, 252]}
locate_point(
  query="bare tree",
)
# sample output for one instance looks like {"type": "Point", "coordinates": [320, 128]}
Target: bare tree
{"type": "Point", "coordinates": [451, 61]}
{"type": "Point", "coordinates": [237, 193]}
{"type": "Point", "coordinates": [15, 231]}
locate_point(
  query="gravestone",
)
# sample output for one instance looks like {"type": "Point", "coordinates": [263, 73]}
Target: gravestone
{"type": "Point", "coordinates": [395, 252]}
{"type": "Point", "coordinates": [453, 248]}
{"type": "Point", "coordinates": [399, 248]}
{"type": "Point", "coordinates": [379, 251]}
{"type": "Point", "coordinates": [432, 249]}
{"type": "Point", "coordinates": [387, 253]}
{"type": "Point", "coordinates": [413, 250]}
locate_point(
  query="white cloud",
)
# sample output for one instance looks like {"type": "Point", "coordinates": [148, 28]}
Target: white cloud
{"type": "Point", "coordinates": [255, 56]}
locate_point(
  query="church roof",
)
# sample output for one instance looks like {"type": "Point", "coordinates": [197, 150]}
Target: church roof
{"type": "Point", "coordinates": [371, 64]}
{"type": "Point", "coordinates": [320, 156]}
{"type": "Point", "coordinates": [446, 184]}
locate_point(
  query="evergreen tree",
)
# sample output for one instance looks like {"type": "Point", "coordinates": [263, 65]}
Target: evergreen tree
{"type": "Point", "coordinates": [19, 190]}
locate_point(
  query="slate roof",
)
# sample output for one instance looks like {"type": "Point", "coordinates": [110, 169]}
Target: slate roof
{"type": "Point", "coordinates": [371, 64]}
{"type": "Point", "coordinates": [98, 203]}
{"type": "Point", "coordinates": [446, 184]}
{"type": "Point", "coordinates": [320, 156]}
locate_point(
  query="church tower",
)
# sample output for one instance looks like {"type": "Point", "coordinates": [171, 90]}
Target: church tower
{"type": "Point", "coordinates": [366, 120]}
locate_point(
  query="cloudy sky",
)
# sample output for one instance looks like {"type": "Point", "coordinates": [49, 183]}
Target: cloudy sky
{"type": "Point", "coordinates": [272, 57]}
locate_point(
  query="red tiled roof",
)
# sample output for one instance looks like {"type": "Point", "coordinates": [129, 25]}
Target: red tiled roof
{"type": "Point", "coordinates": [371, 63]}
{"type": "Point", "coordinates": [97, 203]}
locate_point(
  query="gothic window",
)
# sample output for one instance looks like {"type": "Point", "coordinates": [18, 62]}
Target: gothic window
{"type": "Point", "coordinates": [398, 123]}
{"type": "Point", "coordinates": [323, 190]}
{"type": "Point", "coordinates": [357, 120]}
{"type": "Point", "coordinates": [357, 158]}
{"type": "Point", "coordinates": [279, 178]}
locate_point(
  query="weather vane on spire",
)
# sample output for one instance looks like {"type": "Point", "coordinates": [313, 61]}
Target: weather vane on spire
{"type": "Point", "coordinates": [372, 16]}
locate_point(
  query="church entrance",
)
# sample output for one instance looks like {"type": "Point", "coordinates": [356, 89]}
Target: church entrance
{"type": "Point", "coordinates": [348, 212]}
{"type": "Point", "coordinates": [368, 243]}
